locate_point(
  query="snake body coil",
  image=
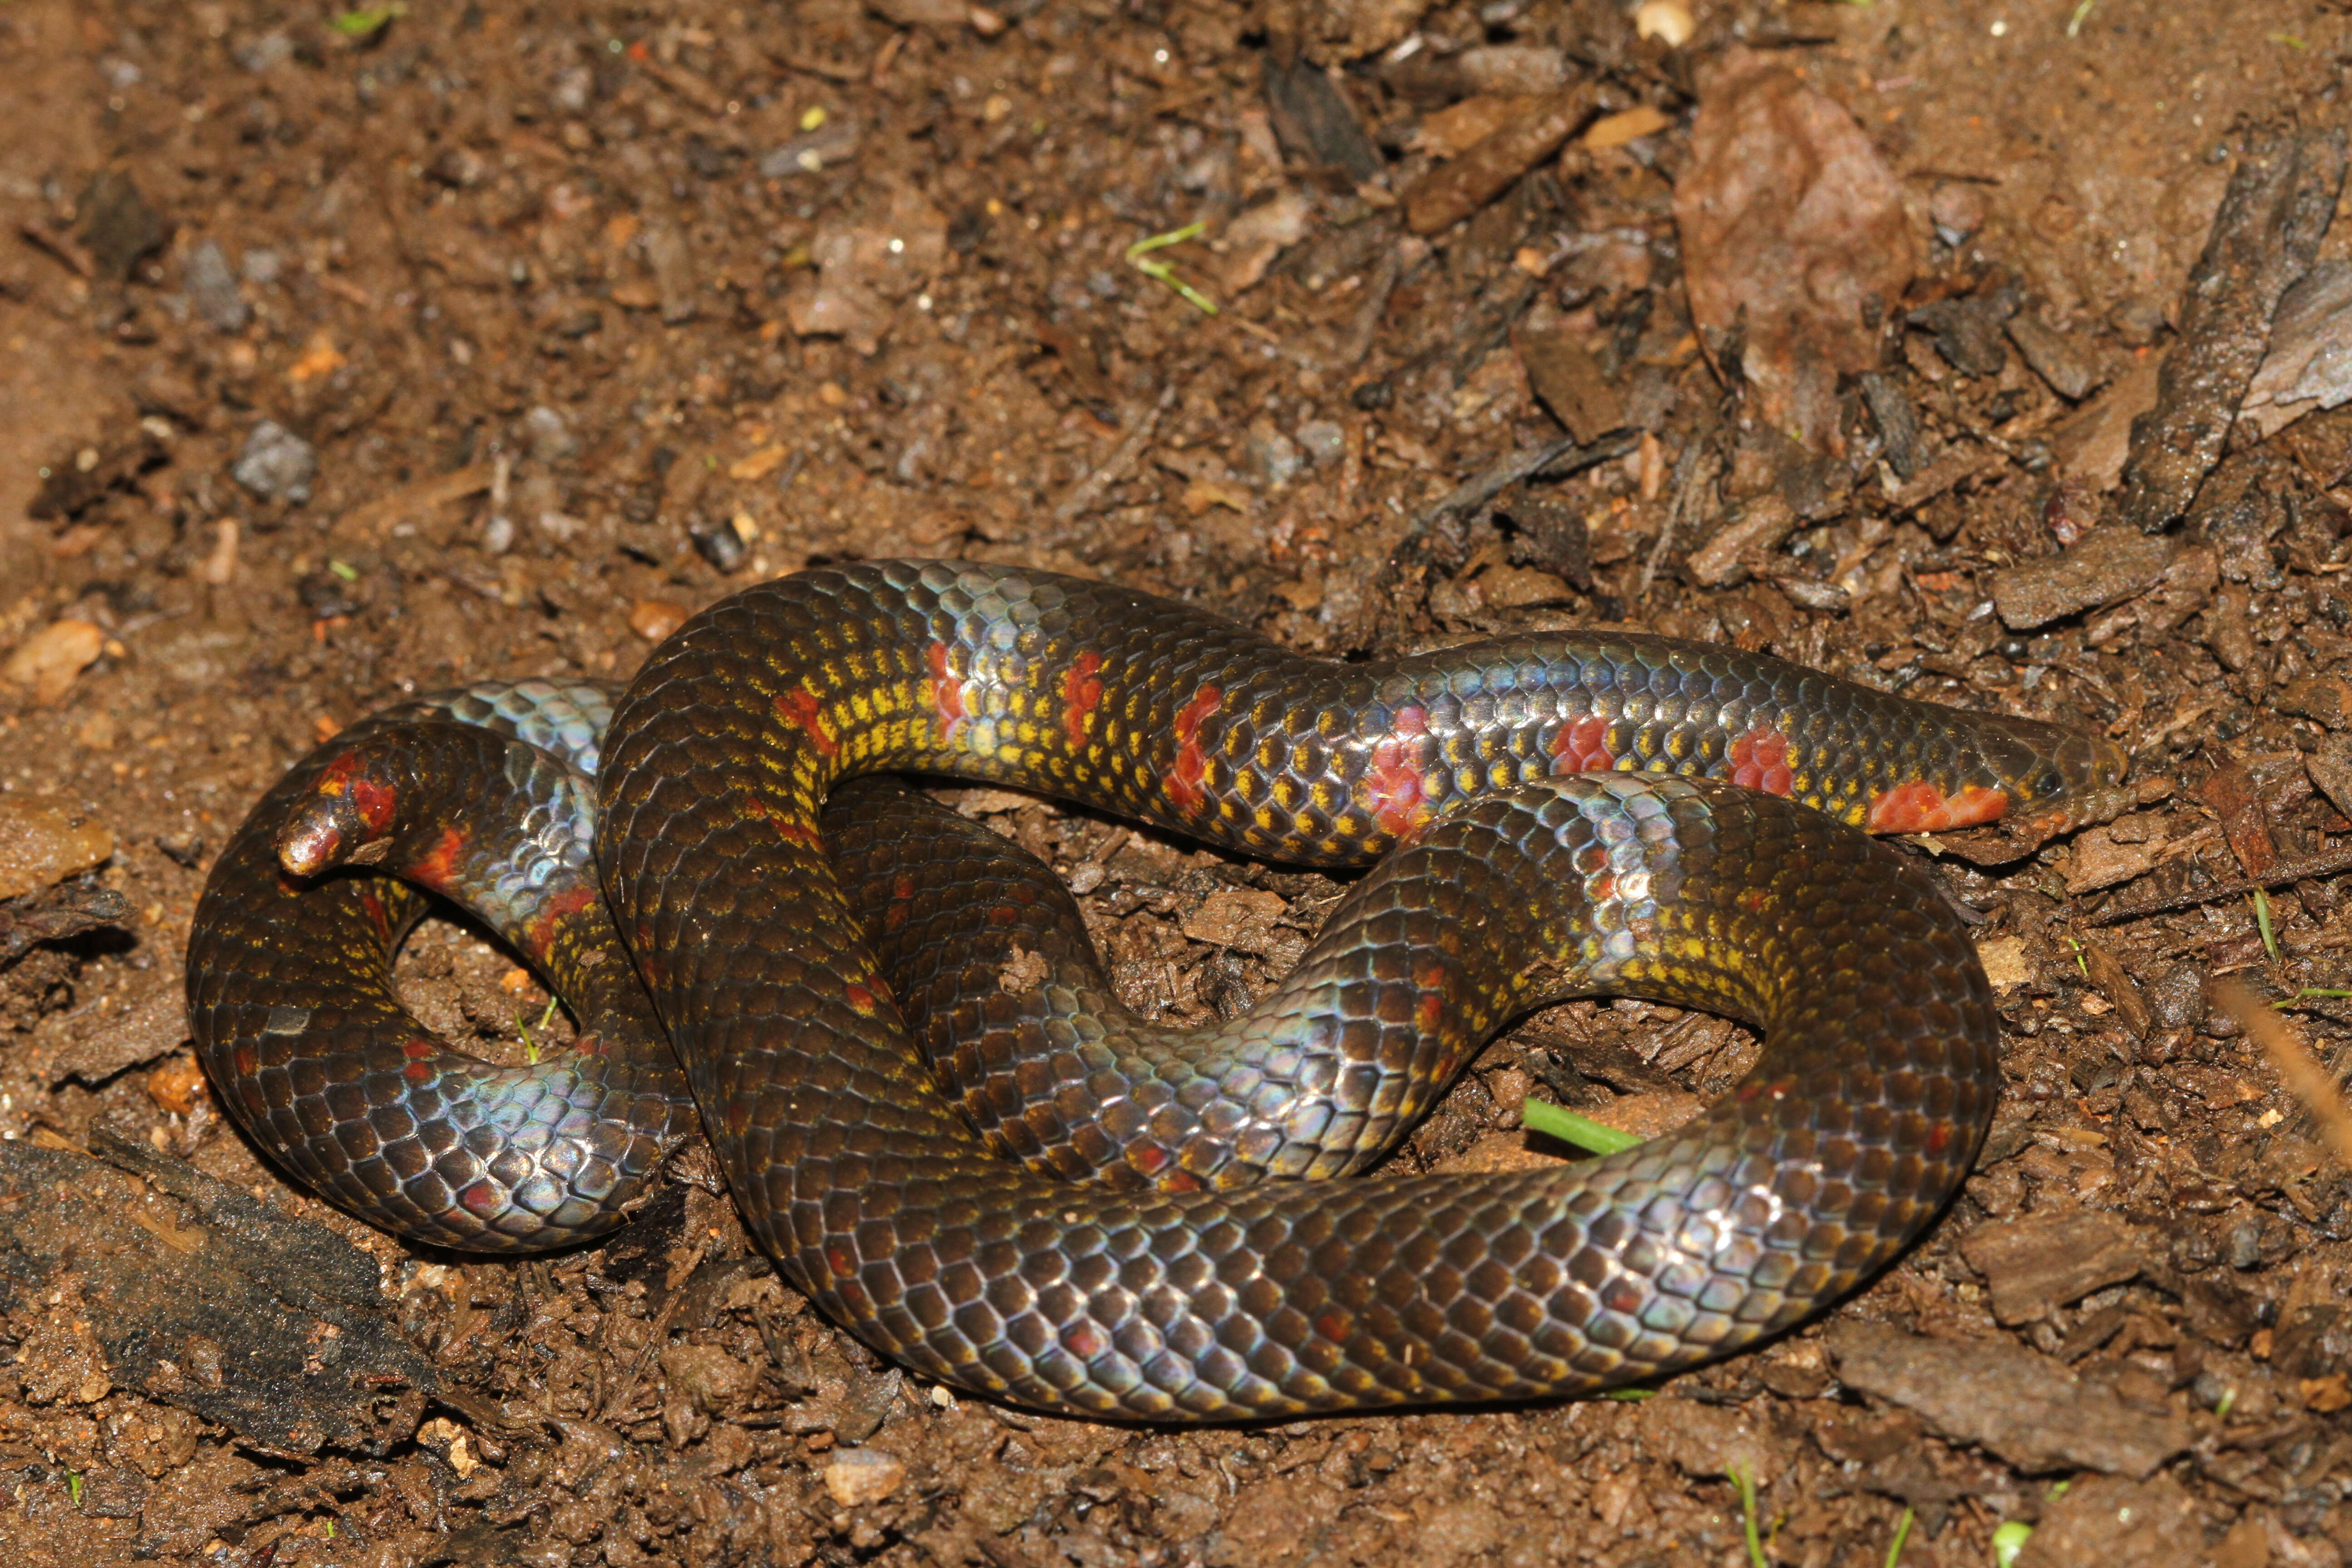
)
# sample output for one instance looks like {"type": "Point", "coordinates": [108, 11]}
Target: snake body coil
{"type": "Point", "coordinates": [1579, 813]}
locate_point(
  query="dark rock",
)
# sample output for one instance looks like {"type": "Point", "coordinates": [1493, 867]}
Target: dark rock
{"type": "Point", "coordinates": [1898, 424]}
{"type": "Point", "coordinates": [211, 283]}
{"type": "Point", "coordinates": [117, 227]}
{"type": "Point", "coordinates": [1315, 122]}
{"type": "Point", "coordinates": [1968, 332]}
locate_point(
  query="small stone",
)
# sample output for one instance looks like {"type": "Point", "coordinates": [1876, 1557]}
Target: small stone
{"type": "Point", "coordinates": [2055, 357]}
{"type": "Point", "coordinates": [48, 660]}
{"type": "Point", "coordinates": [1957, 211]}
{"type": "Point", "coordinates": [205, 274]}
{"type": "Point", "coordinates": [1668, 21]}
{"type": "Point", "coordinates": [656, 619]}
{"type": "Point", "coordinates": [856, 1476]}
{"type": "Point", "coordinates": [277, 463]}
{"type": "Point", "coordinates": [43, 839]}
{"type": "Point", "coordinates": [174, 1085]}
{"type": "Point", "coordinates": [549, 435]}
{"type": "Point", "coordinates": [1272, 456]}
{"type": "Point", "coordinates": [1324, 440]}
{"type": "Point", "coordinates": [119, 227]}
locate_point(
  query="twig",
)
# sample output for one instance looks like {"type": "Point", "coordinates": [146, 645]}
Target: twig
{"type": "Point", "coordinates": [1685, 482]}
{"type": "Point", "coordinates": [2312, 1084]}
{"type": "Point", "coordinates": [1088, 491]}
{"type": "Point", "coordinates": [2326, 865]}
{"type": "Point", "coordinates": [1556, 460]}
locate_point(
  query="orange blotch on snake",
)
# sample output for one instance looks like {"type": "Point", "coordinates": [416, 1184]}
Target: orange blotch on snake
{"type": "Point", "coordinates": [800, 709]}
{"type": "Point", "coordinates": [482, 1197]}
{"type": "Point", "coordinates": [861, 997]}
{"type": "Point", "coordinates": [789, 829]}
{"type": "Point", "coordinates": [1924, 808]}
{"type": "Point", "coordinates": [1081, 691]}
{"type": "Point", "coordinates": [437, 867]}
{"type": "Point", "coordinates": [947, 692]}
{"type": "Point", "coordinates": [1582, 746]}
{"type": "Point", "coordinates": [1186, 775]}
{"type": "Point", "coordinates": [1428, 1012]}
{"type": "Point", "coordinates": [1398, 794]}
{"type": "Point", "coordinates": [1760, 760]}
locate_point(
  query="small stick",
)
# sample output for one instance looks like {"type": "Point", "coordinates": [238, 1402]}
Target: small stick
{"type": "Point", "coordinates": [2326, 865]}
{"type": "Point", "coordinates": [2312, 1084]}
{"type": "Point", "coordinates": [1685, 472]}
{"type": "Point", "coordinates": [1088, 491]}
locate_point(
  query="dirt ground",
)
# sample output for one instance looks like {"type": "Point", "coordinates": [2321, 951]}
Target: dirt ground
{"type": "Point", "coordinates": [353, 354]}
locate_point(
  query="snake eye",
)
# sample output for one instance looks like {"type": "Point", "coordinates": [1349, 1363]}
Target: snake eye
{"type": "Point", "coordinates": [2050, 781]}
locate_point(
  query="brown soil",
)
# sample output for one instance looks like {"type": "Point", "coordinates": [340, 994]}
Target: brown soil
{"type": "Point", "coordinates": [553, 292]}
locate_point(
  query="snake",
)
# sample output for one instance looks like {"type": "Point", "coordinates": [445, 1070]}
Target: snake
{"type": "Point", "coordinates": [931, 1110]}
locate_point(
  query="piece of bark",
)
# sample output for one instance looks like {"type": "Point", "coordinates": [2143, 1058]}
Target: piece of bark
{"type": "Point", "coordinates": [1567, 376]}
{"type": "Point", "coordinates": [206, 1298]}
{"type": "Point", "coordinates": [1740, 544]}
{"type": "Point", "coordinates": [1314, 120]}
{"type": "Point", "coordinates": [2234, 796]}
{"type": "Point", "coordinates": [1898, 424]}
{"type": "Point", "coordinates": [1453, 191]}
{"type": "Point", "coordinates": [2263, 241]}
{"type": "Point", "coordinates": [2050, 1260]}
{"type": "Point", "coordinates": [2072, 373]}
{"type": "Point", "coordinates": [2027, 1408]}
{"type": "Point", "coordinates": [2115, 983]}
{"type": "Point", "coordinates": [2330, 771]}
{"type": "Point", "coordinates": [2106, 566]}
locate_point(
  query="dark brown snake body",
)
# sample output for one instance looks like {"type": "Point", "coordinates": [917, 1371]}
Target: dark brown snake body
{"type": "Point", "coordinates": [1577, 813]}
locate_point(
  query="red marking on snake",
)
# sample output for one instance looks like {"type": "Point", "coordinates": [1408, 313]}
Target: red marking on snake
{"type": "Point", "coordinates": [553, 913]}
{"type": "Point", "coordinates": [1084, 1340]}
{"type": "Point", "coordinates": [799, 708]}
{"type": "Point", "coordinates": [1939, 1138]}
{"type": "Point", "coordinates": [482, 1197]}
{"type": "Point", "coordinates": [839, 1260]}
{"type": "Point", "coordinates": [248, 1063]}
{"type": "Point", "coordinates": [417, 1072]}
{"type": "Point", "coordinates": [1760, 760]}
{"type": "Point", "coordinates": [790, 829]}
{"type": "Point", "coordinates": [1081, 690]}
{"type": "Point", "coordinates": [1399, 796]}
{"type": "Point", "coordinates": [437, 868]}
{"type": "Point", "coordinates": [1185, 776]}
{"type": "Point", "coordinates": [417, 1050]}
{"type": "Point", "coordinates": [861, 997]}
{"type": "Point", "coordinates": [1924, 808]}
{"type": "Point", "coordinates": [947, 692]}
{"type": "Point", "coordinates": [1428, 1012]}
{"type": "Point", "coordinates": [379, 918]}
{"type": "Point", "coordinates": [1582, 747]}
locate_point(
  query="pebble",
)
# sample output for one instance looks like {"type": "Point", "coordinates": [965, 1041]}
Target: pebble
{"type": "Point", "coordinates": [174, 1085]}
{"type": "Point", "coordinates": [2102, 862]}
{"type": "Point", "coordinates": [277, 463]}
{"type": "Point", "coordinates": [1272, 456]}
{"type": "Point", "coordinates": [48, 660]}
{"type": "Point", "coordinates": [655, 619]}
{"type": "Point", "coordinates": [856, 1476]}
{"type": "Point", "coordinates": [43, 839]}
{"type": "Point", "coordinates": [1325, 441]}
{"type": "Point", "coordinates": [212, 288]}
{"type": "Point", "coordinates": [550, 436]}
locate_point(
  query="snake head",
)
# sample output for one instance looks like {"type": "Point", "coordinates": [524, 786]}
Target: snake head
{"type": "Point", "coordinates": [347, 820]}
{"type": "Point", "coordinates": [2057, 778]}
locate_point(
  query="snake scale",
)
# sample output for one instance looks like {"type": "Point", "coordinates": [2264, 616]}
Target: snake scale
{"type": "Point", "coordinates": [1081, 1222]}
